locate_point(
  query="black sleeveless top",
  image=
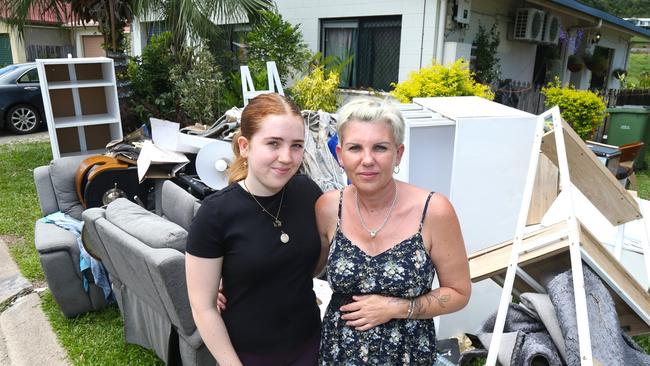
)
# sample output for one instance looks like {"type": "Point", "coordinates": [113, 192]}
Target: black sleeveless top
{"type": "Point", "coordinates": [406, 271]}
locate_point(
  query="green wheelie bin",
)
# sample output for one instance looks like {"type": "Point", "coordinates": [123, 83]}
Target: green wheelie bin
{"type": "Point", "coordinates": [629, 124]}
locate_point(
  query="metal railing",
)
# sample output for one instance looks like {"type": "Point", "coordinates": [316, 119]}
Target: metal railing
{"type": "Point", "coordinates": [48, 51]}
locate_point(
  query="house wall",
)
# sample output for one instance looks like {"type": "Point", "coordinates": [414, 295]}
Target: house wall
{"type": "Point", "coordinates": [51, 36]}
{"type": "Point", "coordinates": [517, 59]}
{"type": "Point", "coordinates": [78, 38]}
{"type": "Point", "coordinates": [612, 38]}
{"type": "Point", "coordinates": [419, 19]}
{"type": "Point", "coordinates": [620, 43]}
{"type": "Point", "coordinates": [42, 38]}
{"type": "Point", "coordinates": [17, 45]}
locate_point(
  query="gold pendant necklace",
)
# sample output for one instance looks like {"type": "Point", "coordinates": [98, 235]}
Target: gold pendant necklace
{"type": "Point", "coordinates": [284, 237]}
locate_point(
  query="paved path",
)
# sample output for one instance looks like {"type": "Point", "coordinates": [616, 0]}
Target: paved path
{"type": "Point", "coordinates": [26, 336]}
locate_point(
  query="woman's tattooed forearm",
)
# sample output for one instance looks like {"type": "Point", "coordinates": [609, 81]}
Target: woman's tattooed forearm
{"type": "Point", "coordinates": [423, 302]}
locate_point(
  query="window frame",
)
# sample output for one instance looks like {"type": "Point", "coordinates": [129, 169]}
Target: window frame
{"type": "Point", "coordinates": [356, 23]}
{"type": "Point", "coordinates": [27, 82]}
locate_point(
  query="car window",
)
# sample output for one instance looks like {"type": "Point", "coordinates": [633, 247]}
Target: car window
{"type": "Point", "coordinates": [6, 69]}
{"type": "Point", "coordinates": [30, 76]}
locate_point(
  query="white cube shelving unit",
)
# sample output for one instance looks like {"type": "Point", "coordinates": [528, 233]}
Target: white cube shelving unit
{"type": "Point", "coordinates": [476, 152]}
{"type": "Point", "coordinates": [81, 105]}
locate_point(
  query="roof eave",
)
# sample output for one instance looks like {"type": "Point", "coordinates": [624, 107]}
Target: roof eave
{"type": "Point", "coordinates": [611, 20]}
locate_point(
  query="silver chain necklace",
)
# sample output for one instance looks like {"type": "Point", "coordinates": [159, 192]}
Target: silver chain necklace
{"type": "Point", "coordinates": [374, 233]}
{"type": "Point", "coordinates": [284, 237]}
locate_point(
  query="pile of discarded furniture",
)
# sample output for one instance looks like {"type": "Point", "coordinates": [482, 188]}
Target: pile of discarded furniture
{"type": "Point", "coordinates": [606, 303]}
{"type": "Point", "coordinates": [546, 199]}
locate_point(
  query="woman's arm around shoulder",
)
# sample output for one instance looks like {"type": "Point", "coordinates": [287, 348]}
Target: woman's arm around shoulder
{"type": "Point", "coordinates": [327, 207]}
{"type": "Point", "coordinates": [447, 251]}
{"type": "Point", "coordinates": [203, 277]}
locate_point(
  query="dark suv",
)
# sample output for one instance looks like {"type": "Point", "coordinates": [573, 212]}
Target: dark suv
{"type": "Point", "coordinates": [21, 104]}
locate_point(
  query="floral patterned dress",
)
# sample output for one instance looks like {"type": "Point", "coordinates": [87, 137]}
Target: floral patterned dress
{"type": "Point", "coordinates": [405, 270]}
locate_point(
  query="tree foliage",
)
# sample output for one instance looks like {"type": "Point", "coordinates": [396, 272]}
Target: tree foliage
{"type": "Point", "coordinates": [185, 19]}
{"type": "Point", "coordinates": [622, 8]}
{"type": "Point", "coordinates": [274, 39]}
{"type": "Point", "coordinates": [486, 64]}
{"type": "Point", "coordinates": [184, 87]}
{"type": "Point", "coordinates": [198, 84]}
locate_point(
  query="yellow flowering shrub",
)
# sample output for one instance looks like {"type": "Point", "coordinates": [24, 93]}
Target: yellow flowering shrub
{"type": "Point", "coordinates": [318, 90]}
{"type": "Point", "coordinates": [584, 110]}
{"type": "Point", "coordinates": [441, 81]}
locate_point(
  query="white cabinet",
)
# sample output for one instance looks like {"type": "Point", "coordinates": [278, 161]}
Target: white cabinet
{"type": "Point", "coordinates": [81, 105]}
{"type": "Point", "coordinates": [476, 152]}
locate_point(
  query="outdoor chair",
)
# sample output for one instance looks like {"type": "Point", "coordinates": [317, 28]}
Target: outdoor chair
{"type": "Point", "coordinates": [145, 254]}
{"type": "Point", "coordinates": [629, 152]}
{"type": "Point", "coordinates": [57, 248]}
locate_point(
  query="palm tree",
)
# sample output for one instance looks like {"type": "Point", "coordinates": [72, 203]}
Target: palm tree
{"type": "Point", "coordinates": [199, 19]}
{"type": "Point", "coordinates": [187, 19]}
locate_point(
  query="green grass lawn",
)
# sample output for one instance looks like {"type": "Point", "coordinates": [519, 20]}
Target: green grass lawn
{"type": "Point", "coordinates": [94, 338]}
{"type": "Point", "coordinates": [638, 63]}
{"type": "Point", "coordinates": [90, 339]}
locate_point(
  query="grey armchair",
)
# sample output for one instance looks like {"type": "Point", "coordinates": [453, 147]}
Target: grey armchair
{"type": "Point", "coordinates": [57, 248]}
{"type": "Point", "coordinates": [144, 253]}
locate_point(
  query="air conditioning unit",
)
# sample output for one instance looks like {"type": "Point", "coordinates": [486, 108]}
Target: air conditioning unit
{"type": "Point", "coordinates": [529, 25]}
{"type": "Point", "coordinates": [552, 27]}
{"type": "Point", "coordinates": [462, 11]}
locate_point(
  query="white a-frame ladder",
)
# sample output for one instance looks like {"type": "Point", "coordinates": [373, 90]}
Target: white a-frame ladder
{"type": "Point", "coordinates": [248, 88]}
{"type": "Point", "coordinates": [573, 236]}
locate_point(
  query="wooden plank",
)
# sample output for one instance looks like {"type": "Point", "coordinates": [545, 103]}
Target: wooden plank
{"type": "Point", "coordinates": [546, 262]}
{"type": "Point", "coordinates": [593, 179]}
{"type": "Point", "coordinates": [545, 190]}
{"type": "Point", "coordinates": [542, 232]}
{"type": "Point", "coordinates": [494, 260]}
{"type": "Point", "coordinates": [615, 270]}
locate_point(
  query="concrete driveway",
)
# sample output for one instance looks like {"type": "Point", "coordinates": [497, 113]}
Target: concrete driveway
{"type": "Point", "coordinates": [8, 137]}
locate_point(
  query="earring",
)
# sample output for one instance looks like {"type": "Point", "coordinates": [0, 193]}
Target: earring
{"type": "Point", "coordinates": [396, 169]}
{"type": "Point", "coordinates": [245, 163]}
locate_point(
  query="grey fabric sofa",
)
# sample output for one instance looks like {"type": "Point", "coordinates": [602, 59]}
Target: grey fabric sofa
{"type": "Point", "coordinates": [144, 253]}
{"type": "Point", "coordinates": [57, 248]}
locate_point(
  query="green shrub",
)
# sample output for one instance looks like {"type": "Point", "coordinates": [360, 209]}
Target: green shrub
{"type": "Point", "coordinates": [318, 90]}
{"type": "Point", "coordinates": [198, 85]}
{"type": "Point", "coordinates": [180, 85]}
{"type": "Point", "coordinates": [153, 91]}
{"type": "Point", "coordinates": [440, 81]}
{"type": "Point", "coordinates": [584, 110]}
{"type": "Point", "coordinates": [274, 39]}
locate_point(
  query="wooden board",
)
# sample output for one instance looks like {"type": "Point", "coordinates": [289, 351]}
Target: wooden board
{"type": "Point", "coordinates": [545, 190]}
{"type": "Point", "coordinates": [57, 73]}
{"type": "Point", "coordinates": [93, 101]}
{"type": "Point", "coordinates": [62, 103]}
{"type": "Point", "coordinates": [68, 139]}
{"type": "Point", "coordinates": [592, 178]}
{"type": "Point", "coordinates": [89, 71]}
{"type": "Point", "coordinates": [97, 136]}
{"type": "Point", "coordinates": [544, 263]}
